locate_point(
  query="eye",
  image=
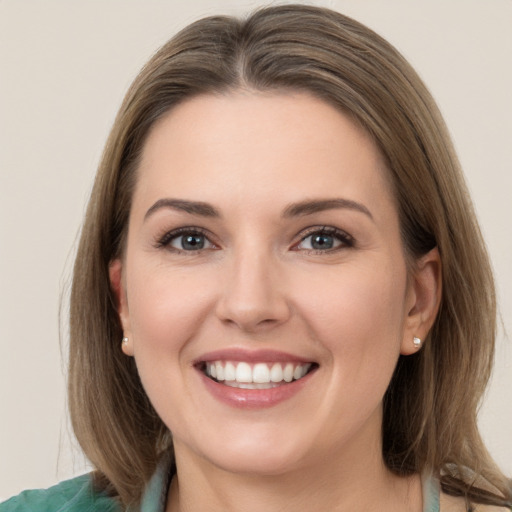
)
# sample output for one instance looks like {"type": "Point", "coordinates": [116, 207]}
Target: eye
{"type": "Point", "coordinates": [190, 242]}
{"type": "Point", "coordinates": [186, 240]}
{"type": "Point", "coordinates": [324, 240]}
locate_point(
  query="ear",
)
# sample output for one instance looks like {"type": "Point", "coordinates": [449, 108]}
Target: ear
{"type": "Point", "coordinates": [423, 300]}
{"type": "Point", "coordinates": [116, 282]}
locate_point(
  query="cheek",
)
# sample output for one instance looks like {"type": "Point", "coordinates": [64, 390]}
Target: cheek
{"type": "Point", "coordinates": [358, 315]}
{"type": "Point", "coordinates": [166, 310]}
{"type": "Point", "coordinates": [163, 302]}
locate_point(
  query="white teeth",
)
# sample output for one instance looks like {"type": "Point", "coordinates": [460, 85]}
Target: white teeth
{"type": "Point", "coordinates": [260, 373]}
{"type": "Point", "coordinates": [219, 370]}
{"type": "Point", "coordinates": [288, 372]}
{"type": "Point", "coordinates": [257, 376]}
{"type": "Point", "coordinates": [276, 373]}
{"type": "Point", "coordinates": [252, 385]}
{"type": "Point", "coordinates": [243, 373]}
{"type": "Point", "coordinates": [229, 371]}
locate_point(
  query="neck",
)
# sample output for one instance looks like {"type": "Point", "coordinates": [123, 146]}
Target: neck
{"type": "Point", "coordinates": [338, 483]}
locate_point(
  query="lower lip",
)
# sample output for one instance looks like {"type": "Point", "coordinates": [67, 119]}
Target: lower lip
{"type": "Point", "coordinates": [254, 398]}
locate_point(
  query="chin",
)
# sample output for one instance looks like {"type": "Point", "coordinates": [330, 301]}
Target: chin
{"type": "Point", "coordinates": [258, 462]}
{"type": "Point", "coordinates": [252, 454]}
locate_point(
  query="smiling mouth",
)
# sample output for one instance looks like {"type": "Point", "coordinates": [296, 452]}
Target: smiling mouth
{"type": "Point", "coordinates": [246, 375]}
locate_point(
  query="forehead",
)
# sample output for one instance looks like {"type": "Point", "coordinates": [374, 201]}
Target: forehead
{"type": "Point", "coordinates": [247, 144]}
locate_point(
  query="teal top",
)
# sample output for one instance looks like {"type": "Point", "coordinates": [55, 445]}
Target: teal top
{"type": "Point", "coordinates": [77, 495]}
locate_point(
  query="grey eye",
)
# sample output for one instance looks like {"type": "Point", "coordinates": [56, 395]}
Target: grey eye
{"type": "Point", "coordinates": [320, 242]}
{"type": "Point", "coordinates": [190, 242]}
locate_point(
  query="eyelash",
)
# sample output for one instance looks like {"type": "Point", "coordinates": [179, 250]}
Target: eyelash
{"type": "Point", "coordinates": [346, 240]}
{"type": "Point", "coordinates": [168, 237]}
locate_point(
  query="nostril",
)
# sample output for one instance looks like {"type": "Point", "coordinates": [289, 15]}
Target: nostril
{"type": "Point", "coordinates": [252, 297]}
{"type": "Point", "coordinates": [253, 317]}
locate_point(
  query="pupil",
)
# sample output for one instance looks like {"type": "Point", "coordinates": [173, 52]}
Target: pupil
{"type": "Point", "coordinates": [322, 242]}
{"type": "Point", "coordinates": [193, 242]}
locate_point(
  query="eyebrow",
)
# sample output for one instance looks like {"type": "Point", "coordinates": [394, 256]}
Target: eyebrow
{"type": "Point", "coordinates": [307, 207]}
{"type": "Point", "coordinates": [192, 207]}
{"type": "Point", "coordinates": [315, 206]}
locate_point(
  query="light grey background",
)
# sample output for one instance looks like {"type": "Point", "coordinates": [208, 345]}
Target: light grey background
{"type": "Point", "coordinates": [64, 67]}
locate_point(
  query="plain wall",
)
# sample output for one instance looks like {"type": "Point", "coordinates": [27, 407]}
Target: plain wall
{"type": "Point", "coordinates": [64, 67]}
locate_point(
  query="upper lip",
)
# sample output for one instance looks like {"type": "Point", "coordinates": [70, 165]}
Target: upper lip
{"type": "Point", "coordinates": [251, 356]}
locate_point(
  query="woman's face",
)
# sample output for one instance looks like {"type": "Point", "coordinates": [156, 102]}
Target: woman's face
{"type": "Point", "coordinates": [264, 249]}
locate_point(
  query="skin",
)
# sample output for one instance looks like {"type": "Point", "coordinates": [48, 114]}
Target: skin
{"type": "Point", "coordinates": [257, 284]}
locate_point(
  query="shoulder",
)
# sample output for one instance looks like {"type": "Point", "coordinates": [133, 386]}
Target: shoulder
{"type": "Point", "coordinates": [490, 508]}
{"type": "Point", "coordinates": [453, 504]}
{"type": "Point", "coordinates": [75, 495]}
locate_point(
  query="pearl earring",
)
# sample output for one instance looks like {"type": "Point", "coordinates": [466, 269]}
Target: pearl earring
{"type": "Point", "coordinates": [125, 340]}
{"type": "Point", "coordinates": [417, 342]}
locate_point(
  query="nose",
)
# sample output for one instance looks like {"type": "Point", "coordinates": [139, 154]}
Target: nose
{"type": "Point", "coordinates": [253, 294]}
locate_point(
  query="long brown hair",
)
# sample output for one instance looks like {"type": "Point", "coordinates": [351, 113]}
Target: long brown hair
{"type": "Point", "coordinates": [430, 406]}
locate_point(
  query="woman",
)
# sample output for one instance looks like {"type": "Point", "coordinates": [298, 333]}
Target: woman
{"type": "Point", "coordinates": [280, 265]}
